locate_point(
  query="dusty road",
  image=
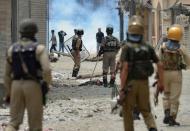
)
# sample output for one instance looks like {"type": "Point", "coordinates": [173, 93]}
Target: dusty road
{"type": "Point", "coordinates": [87, 108]}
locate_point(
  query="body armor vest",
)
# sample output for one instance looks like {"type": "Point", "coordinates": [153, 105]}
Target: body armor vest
{"type": "Point", "coordinates": [140, 63]}
{"type": "Point", "coordinates": [110, 44]}
{"type": "Point", "coordinates": [171, 60]}
{"type": "Point", "coordinates": [27, 55]}
{"type": "Point", "coordinates": [74, 42]}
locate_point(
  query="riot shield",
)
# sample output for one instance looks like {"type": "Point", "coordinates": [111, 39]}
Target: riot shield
{"type": "Point", "coordinates": [68, 46]}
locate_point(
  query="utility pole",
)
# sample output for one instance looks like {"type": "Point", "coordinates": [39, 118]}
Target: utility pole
{"type": "Point", "coordinates": [48, 19]}
{"type": "Point", "coordinates": [14, 5]}
{"type": "Point", "coordinates": [132, 8]}
{"type": "Point", "coordinates": [121, 18]}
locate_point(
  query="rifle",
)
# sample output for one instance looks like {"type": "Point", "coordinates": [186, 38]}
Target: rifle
{"type": "Point", "coordinates": [156, 94]}
{"type": "Point", "coordinates": [120, 101]}
{"type": "Point", "coordinates": [157, 91]}
{"type": "Point", "coordinates": [44, 89]}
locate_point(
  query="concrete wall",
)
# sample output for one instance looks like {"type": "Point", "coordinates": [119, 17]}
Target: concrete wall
{"type": "Point", "coordinates": [168, 3]}
{"type": "Point", "coordinates": [185, 2]}
{"type": "Point", "coordinates": [5, 37]}
{"type": "Point", "coordinates": [39, 14]}
{"type": "Point", "coordinates": [166, 20]}
{"type": "Point", "coordinates": [37, 10]}
{"type": "Point", "coordinates": [156, 21]}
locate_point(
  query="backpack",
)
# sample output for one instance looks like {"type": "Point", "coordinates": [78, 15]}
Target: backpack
{"type": "Point", "coordinates": [172, 60]}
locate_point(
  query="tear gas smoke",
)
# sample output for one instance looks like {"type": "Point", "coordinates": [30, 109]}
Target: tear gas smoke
{"type": "Point", "coordinates": [68, 15]}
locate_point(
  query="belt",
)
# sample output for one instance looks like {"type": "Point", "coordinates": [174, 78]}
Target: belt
{"type": "Point", "coordinates": [22, 78]}
{"type": "Point", "coordinates": [167, 69]}
{"type": "Point", "coordinates": [109, 50]}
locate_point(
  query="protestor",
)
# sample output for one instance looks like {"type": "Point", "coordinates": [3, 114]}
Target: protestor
{"type": "Point", "coordinates": [53, 41]}
{"type": "Point", "coordinates": [61, 35]}
{"type": "Point", "coordinates": [99, 38]}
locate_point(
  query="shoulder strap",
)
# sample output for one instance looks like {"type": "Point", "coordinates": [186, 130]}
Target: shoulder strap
{"type": "Point", "coordinates": [131, 51]}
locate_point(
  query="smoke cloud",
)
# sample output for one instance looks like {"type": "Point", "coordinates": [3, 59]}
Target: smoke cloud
{"type": "Point", "coordinates": [68, 15]}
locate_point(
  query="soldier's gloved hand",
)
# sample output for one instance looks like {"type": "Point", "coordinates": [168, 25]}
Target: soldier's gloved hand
{"type": "Point", "coordinates": [99, 54]}
{"type": "Point", "coordinates": [7, 99]}
{"type": "Point", "coordinates": [122, 96]}
{"type": "Point", "coordinates": [155, 83]}
{"type": "Point", "coordinates": [160, 87]}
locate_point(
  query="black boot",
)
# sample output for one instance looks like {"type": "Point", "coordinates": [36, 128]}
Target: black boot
{"type": "Point", "coordinates": [152, 129]}
{"type": "Point", "coordinates": [74, 74]}
{"type": "Point", "coordinates": [121, 113]}
{"type": "Point", "coordinates": [136, 114]}
{"type": "Point", "coordinates": [172, 122]}
{"type": "Point", "coordinates": [105, 82]}
{"type": "Point", "coordinates": [167, 116]}
{"type": "Point", "coordinates": [112, 81]}
{"type": "Point", "coordinates": [77, 71]}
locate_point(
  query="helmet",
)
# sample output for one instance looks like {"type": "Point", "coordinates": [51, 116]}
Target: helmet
{"type": "Point", "coordinates": [28, 26]}
{"type": "Point", "coordinates": [80, 32]}
{"type": "Point", "coordinates": [136, 25]}
{"type": "Point", "coordinates": [75, 31]}
{"type": "Point", "coordinates": [52, 31]}
{"type": "Point", "coordinates": [109, 29]}
{"type": "Point", "coordinates": [175, 32]}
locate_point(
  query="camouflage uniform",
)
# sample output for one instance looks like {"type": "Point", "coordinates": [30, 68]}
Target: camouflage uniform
{"type": "Point", "coordinates": [174, 62]}
{"type": "Point", "coordinates": [23, 90]}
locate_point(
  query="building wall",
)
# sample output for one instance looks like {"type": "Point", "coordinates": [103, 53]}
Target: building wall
{"type": "Point", "coordinates": [185, 2]}
{"type": "Point", "coordinates": [186, 37]}
{"type": "Point", "coordinates": [166, 20]}
{"type": "Point", "coordinates": [156, 21]}
{"type": "Point", "coordinates": [5, 38]}
{"type": "Point", "coordinates": [5, 31]}
{"type": "Point", "coordinates": [36, 9]}
{"type": "Point", "coordinates": [171, 2]}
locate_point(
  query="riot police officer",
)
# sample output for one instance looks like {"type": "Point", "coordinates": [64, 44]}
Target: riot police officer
{"type": "Point", "coordinates": [76, 48]}
{"type": "Point", "coordinates": [109, 47]}
{"type": "Point", "coordinates": [27, 64]}
{"type": "Point", "coordinates": [174, 58]}
{"type": "Point", "coordinates": [136, 59]}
